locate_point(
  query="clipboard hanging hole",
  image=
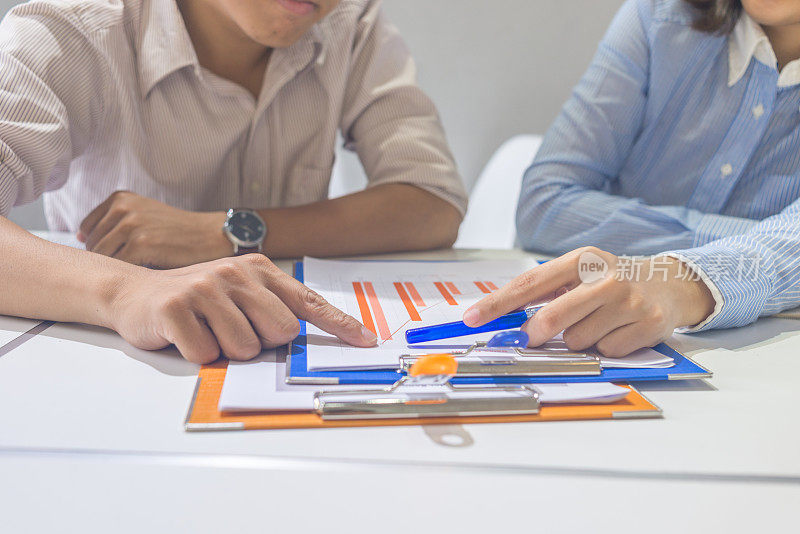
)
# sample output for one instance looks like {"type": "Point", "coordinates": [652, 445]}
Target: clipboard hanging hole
{"type": "Point", "coordinates": [449, 435]}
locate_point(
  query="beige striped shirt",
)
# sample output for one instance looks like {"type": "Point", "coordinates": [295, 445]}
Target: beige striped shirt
{"type": "Point", "coordinates": [105, 95]}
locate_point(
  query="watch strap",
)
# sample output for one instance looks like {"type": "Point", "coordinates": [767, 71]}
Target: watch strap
{"type": "Point", "coordinates": [241, 251]}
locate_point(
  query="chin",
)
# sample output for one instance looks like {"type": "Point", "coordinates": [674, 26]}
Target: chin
{"type": "Point", "coordinates": [773, 12]}
{"type": "Point", "coordinates": [282, 37]}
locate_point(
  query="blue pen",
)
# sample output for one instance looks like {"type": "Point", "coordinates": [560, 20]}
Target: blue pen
{"type": "Point", "coordinates": [458, 328]}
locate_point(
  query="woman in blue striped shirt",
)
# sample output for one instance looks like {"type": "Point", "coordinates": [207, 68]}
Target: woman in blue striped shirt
{"type": "Point", "coordinates": [682, 141]}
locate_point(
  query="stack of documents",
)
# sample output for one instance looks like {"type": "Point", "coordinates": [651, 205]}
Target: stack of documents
{"type": "Point", "coordinates": [261, 386]}
{"type": "Point", "coordinates": [390, 297]}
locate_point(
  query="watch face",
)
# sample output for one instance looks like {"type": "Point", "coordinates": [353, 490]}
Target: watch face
{"type": "Point", "coordinates": [247, 227]}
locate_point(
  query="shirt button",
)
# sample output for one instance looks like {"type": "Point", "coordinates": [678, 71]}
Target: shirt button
{"type": "Point", "coordinates": [255, 187]}
{"type": "Point", "coordinates": [726, 169]}
{"type": "Point", "coordinates": [758, 111]}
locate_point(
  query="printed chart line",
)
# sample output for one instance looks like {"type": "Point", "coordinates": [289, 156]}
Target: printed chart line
{"type": "Point", "coordinates": [377, 311]}
{"type": "Point", "coordinates": [445, 294]}
{"type": "Point", "coordinates": [412, 311]}
{"type": "Point", "coordinates": [452, 287]}
{"type": "Point", "coordinates": [422, 310]}
{"type": "Point", "coordinates": [482, 287]}
{"type": "Point", "coordinates": [366, 316]}
{"type": "Point", "coordinates": [412, 290]}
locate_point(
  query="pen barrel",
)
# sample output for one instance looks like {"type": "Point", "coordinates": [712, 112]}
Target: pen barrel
{"type": "Point", "coordinates": [458, 328]}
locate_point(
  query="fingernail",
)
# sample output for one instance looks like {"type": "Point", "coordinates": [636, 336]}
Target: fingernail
{"type": "Point", "coordinates": [369, 335]}
{"type": "Point", "coordinates": [81, 237]}
{"type": "Point", "coordinates": [532, 338]}
{"type": "Point", "coordinates": [472, 316]}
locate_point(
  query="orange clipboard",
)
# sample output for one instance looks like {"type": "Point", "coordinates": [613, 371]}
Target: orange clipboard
{"type": "Point", "coordinates": [204, 416]}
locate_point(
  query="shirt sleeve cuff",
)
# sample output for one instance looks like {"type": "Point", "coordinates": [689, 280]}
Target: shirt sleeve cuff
{"type": "Point", "coordinates": [735, 281]}
{"type": "Point", "coordinates": [719, 299]}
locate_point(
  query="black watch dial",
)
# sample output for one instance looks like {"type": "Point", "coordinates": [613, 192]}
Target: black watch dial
{"type": "Point", "coordinates": [246, 227]}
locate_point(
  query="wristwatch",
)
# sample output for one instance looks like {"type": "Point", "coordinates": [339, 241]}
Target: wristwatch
{"type": "Point", "coordinates": [246, 230]}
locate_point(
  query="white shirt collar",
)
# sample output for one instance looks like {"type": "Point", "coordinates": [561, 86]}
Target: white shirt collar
{"type": "Point", "coordinates": [748, 40]}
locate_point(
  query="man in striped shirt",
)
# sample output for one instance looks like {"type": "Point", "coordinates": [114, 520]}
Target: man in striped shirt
{"type": "Point", "coordinates": [145, 121]}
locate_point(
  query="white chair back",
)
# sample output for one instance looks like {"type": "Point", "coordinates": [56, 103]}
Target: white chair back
{"type": "Point", "coordinates": [490, 220]}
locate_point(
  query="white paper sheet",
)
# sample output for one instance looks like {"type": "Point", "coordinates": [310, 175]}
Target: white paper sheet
{"type": "Point", "coordinates": [583, 392]}
{"type": "Point", "coordinates": [444, 291]}
{"type": "Point", "coordinates": [260, 385]}
{"type": "Point", "coordinates": [641, 358]}
{"type": "Point", "coordinates": [550, 351]}
{"type": "Point", "coordinates": [646, 357]}
{"type": "Point", "coordinates": [396, 296]}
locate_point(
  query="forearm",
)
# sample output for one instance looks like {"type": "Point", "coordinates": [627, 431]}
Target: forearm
{"type": "Point", "coordinates": [384, 218]}
{"type": "Point", "coordinates": [556, 215]}
{"type": "Point", "coordinates": [233, 306]}
{"type": "Point", "coordinates": [42, 280]}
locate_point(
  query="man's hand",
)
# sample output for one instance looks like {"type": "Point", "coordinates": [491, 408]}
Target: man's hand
{"type": "Point", "coordinates": [614, 310]}
{"type": "Point", "coordinates": [233, 306]}
{"type": "Point", "coordinates": [147, 232]}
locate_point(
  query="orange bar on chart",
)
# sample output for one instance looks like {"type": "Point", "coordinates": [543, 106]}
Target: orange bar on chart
{"type": "Point", "coordinates": [412, 290]}
{"type": "Point", "coordinates": [491, 286]}
{"type": "Point", "coordinates": [446, 294]}
{"type": "Point", "coordinates": [412, 311]}
{"type": "Point", "coordinates": [452, 287]}
{"type": "Point", "coordinates": [380, 318]}
{"type": "Point", "coordinates": [482, 287]}
{"type": "Point", "coordinates": [366, 317]}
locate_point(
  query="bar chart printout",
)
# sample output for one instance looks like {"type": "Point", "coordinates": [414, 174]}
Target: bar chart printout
{"type": "Point", "coordinates": [391, 297]}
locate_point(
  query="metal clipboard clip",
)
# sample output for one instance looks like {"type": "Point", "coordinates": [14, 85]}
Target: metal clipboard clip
{"type": "Point", "coordinates": [506, 354]}
{"type": "Point", "coordinates": [426, 392]}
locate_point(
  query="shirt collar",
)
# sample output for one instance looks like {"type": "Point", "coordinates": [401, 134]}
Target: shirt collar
{"type": "Point", "coordinates": [165, 46]}
{"type": "Point", "coordinates": [748, 41]}
{"type": "Point", "coordinates": [318, 37]}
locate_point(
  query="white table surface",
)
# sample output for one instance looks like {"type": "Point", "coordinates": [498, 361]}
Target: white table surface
{"type": "Point", "coordinates": [12, 327]}
{"type": "Point", "coordinates": [73, 492]}
{"type": "Point", "coordinates": [79, 400]}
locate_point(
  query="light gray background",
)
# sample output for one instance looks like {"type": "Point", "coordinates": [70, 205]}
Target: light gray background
{"type": "Point", "coordinates": [495, 68]}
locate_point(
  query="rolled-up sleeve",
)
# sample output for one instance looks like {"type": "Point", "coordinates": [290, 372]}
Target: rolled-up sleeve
{"type": "Point", "coordinates": [389, 121]}
{"type": "Point", "coordinates": [51, 99]}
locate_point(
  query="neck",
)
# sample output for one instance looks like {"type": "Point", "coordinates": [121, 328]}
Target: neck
{"type": "Point", "coordinates": [222, 47]}
{"type": "Point", "coordinates": [785, 41]}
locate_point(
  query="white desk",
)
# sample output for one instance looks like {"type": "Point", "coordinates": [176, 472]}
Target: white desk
{"type": "Point", "coordinates": [13, 327]}
{"type": "Point", "coordinates": [69, 492]}
{"type": "Point", "coordinates": [738, 431]}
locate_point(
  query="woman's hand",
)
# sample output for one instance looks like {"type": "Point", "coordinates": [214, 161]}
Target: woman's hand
{"type": "Point", "coordinates": [617, 304]}
{"type": "Point", "coordinates": [234, 306]}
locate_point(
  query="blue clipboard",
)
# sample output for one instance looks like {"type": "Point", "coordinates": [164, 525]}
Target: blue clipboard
{"type": "Point", "coordinates": [297, 369]}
